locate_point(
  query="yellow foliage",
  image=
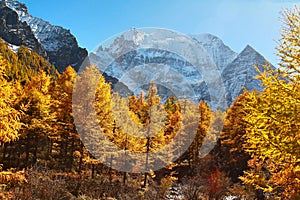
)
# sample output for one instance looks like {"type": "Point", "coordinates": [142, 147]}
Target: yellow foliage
{"type": "Point", "coordinates": [9, 177]}
{"type": "Point", "coordinates": [273, 120]}
{"type": "Point", "coordinates": [9, 116]}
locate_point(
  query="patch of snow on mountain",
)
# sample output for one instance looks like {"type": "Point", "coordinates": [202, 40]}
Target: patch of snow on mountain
{"type": "Point", "coordinates": [134, 35]}
{"type": "Point", "coordinates": [14, 48]}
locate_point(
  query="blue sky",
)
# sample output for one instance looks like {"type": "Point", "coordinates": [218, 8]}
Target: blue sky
{"type": "Point", "coordinates": [236, 22]}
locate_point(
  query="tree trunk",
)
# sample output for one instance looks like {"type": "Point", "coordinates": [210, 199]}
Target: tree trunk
{"type": "Point", "coordinates": [124, 178]}
{"type": "Point", "coordinates": [110, 170]}
{"type": "Point", "coordinates": [27, 150]}
{"type": "Point", "coordinates": [4, 152]}
{"type": "Point", "coordinates": [36, 141]}
{"type": "Point", "coordinates": [93, 171]}
{"type": "Point", "coordinates": [147, 157]}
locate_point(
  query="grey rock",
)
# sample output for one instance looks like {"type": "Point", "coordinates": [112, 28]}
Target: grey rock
{"type": "Point", "coordinates": [18, 33]}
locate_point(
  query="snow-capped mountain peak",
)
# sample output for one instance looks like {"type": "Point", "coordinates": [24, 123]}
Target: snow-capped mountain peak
{"type": "Point", "coordinates": [128, 59]}
{"type": "Point", "coordinates": [61, 46]}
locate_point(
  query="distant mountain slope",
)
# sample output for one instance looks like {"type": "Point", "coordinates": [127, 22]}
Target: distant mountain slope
{"type": "Point", "coordinates": [221, 54]}
{"type": "Point", "coordinates": [60, 45]}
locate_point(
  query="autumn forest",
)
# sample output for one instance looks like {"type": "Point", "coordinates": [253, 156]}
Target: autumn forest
{"type": "Point", "coordinates": [44, 155]}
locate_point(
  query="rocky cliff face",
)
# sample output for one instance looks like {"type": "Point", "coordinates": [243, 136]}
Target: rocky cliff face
{"type": "Point", "coordinates": [18, 33]}
{"type": "Point", "coordinates": [54, 42]}
{"type": "Point", "coordinates": [240, 73]}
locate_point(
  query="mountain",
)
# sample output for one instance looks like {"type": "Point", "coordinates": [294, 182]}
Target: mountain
{"type": "Point", "coordinates": [135, 61]}
{"type": "Point", "coordinates": [198, 67]}
{"type": "Point", "coordinates": [218, 76]}
{"type": "Point", "coordinates": [221, 54]}
{"type": "Point", "coordinates": [240, 72]}
{"type": "Point", "coordinates": [52, 42]}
